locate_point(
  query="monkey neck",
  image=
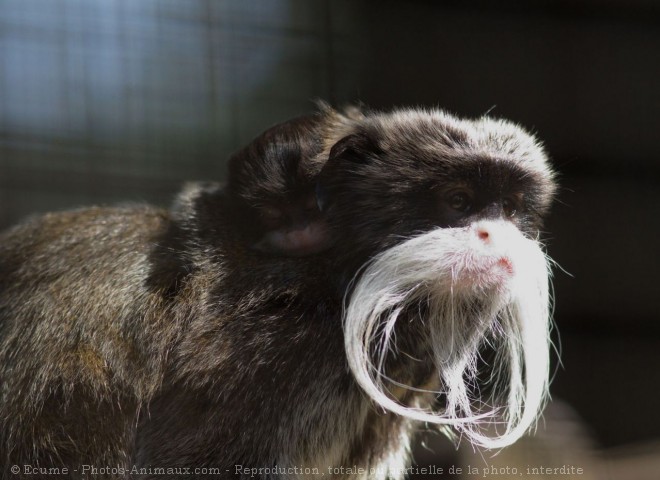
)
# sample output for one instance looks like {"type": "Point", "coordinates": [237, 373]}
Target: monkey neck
{"type": "Point", "coordinates": [269, 363]}
{"type": "Point", "coordinates": [263, 355]}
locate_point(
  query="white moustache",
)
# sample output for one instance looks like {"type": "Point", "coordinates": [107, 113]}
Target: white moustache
{"type": "Point", "coordinates": [483, 283]}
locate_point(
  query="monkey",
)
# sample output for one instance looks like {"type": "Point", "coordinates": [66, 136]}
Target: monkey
{"type": "Point", "coordinates": [360, 273]}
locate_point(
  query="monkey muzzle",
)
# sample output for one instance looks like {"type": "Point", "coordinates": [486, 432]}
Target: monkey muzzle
{"type": "Point", "coordinates": [483, 283]}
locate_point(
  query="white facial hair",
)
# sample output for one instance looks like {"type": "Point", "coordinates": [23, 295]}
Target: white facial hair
{"type": "Point", "coordinates": [486, 282]}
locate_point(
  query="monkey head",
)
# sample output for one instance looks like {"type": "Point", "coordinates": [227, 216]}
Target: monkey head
{"type": "Point", "coordinates": [437, 220]}
{"type": "Point", "coordinates": [409, 172]}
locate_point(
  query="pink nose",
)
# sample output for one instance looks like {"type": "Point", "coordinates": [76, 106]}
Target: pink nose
{"type": "Point", "coordinates": [483, 234]}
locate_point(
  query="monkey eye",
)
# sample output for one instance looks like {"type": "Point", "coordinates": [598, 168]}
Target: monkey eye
{"type": "Point", "coordinates": [510, 206]}
{"type": "Point", "coordinates": [460, 201]}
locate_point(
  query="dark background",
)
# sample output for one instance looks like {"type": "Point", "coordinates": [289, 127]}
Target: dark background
{"type": "Point", "coordinates": [122, 100]}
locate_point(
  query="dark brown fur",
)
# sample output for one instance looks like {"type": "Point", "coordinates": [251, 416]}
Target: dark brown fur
{"type": "Point", "coordinates": [138, 336]}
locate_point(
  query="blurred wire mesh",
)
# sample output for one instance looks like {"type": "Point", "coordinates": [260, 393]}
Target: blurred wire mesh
{"type": "Point", "coordinates": [107, 100]}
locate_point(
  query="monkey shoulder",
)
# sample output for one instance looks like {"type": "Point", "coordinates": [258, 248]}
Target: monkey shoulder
{"type": "Point", "coordinates": [89, 243]}
{"type": "Point", "coordinates": [90, 222]}
{"type": "Point", "coordinates": [82, 339]}
{"type": "Point", "coordinates": [73, 296]}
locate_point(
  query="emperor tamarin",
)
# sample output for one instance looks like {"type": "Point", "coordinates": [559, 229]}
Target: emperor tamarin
{"type": "Point", "coordinates": [359, 273]}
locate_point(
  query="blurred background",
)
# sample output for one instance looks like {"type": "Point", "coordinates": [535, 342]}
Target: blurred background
{"type": "Point", "coordinates": [105, 101]}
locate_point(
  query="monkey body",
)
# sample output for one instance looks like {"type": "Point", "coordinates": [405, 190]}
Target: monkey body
{"type": "Point", "coordinates": [227, 333]}
{"type": "Point", "coordinates": [122, 368]}
{"type": "Point", "coordinates": [72, 354]}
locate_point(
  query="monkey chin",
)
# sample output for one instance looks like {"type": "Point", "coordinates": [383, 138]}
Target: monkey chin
{"type": "Point", "coordinates": [486, 284]}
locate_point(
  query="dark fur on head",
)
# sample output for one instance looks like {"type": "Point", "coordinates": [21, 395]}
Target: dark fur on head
{"type": "Point", "coordinates": [215, 334]}
{"type": "Point", "coordinates": [399, 168]}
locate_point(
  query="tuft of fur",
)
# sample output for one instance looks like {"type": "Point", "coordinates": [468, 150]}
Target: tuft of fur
{"type": "Point", "coordinates": [467, 303]}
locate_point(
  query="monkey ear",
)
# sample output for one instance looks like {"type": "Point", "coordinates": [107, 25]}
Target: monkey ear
{"type": "Point", "coordinates": [359, 148]}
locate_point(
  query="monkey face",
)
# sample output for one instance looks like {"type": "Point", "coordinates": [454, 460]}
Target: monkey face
{"type": "Point", "coordinates": [408, 173]}
{"type": "Point", "coordinates": [440, 217]}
